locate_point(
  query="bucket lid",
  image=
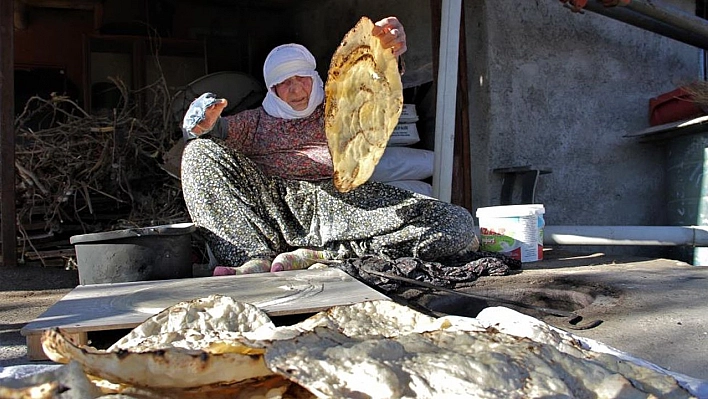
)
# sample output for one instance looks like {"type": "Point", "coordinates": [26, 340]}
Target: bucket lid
{"type": "Point", "coordinates": [163, 230]}
{"type": "Point", "coordinates": [504, 211]}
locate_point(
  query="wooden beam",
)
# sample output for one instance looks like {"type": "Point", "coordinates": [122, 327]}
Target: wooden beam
{"type": "Point", "coordinates": [462, 168]}
{"type": "Point", "coordinates": [68, 4]}
{"type": "Point", "coordinates": [461, 186]}
{"type": "Point", "coordinates": [435, 15]}
{"type": "Point", "coordinates": [8, 231]}
{"type": "Point", "coordinates": [20, 15]}
{"type": "Point", "coordinates": [34, 344]}
{"type": "Point", "coordinates": [446, 99]}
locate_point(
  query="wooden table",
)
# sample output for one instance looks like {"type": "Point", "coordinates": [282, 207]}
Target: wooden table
{"type": "Point", "coordinates": [100, 307]}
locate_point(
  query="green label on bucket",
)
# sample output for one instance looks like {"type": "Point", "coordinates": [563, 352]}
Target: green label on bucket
{"type": "Point", "coordinates": [516, 237]}
{"type": "Point", "coordinates": [496, 243]}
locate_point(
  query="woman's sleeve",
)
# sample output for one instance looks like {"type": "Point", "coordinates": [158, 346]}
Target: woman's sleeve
{"type": "Point", "coordinates": [238, 130]}
{"type": "Point", "coordinates": [220, 129]}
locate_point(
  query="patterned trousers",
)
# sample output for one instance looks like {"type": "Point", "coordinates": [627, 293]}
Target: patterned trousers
{"type": "Point", "coordinates": [245, 214]}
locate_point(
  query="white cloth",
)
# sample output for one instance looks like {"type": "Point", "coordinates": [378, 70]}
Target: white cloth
{"type": "Point", "coordinates": [283, 62]}
{"type": "Point", "coordinates": [404, 163]}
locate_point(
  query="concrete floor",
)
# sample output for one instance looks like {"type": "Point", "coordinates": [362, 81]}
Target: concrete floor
{"type": "Point", "coordinates": [25, 293]}
{"type": "Point", "coordinates": [654, 309]}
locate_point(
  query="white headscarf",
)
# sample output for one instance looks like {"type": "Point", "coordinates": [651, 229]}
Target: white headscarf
{"type": "Point", "coordinates": [284, 62]}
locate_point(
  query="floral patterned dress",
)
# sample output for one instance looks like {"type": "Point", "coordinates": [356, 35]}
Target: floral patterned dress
{"type": "Point", "coordinates": [259, 186]}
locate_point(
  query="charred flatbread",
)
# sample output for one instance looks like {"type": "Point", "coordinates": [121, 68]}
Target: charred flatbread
{"type": "Point", "coordinates": [382, 349]}
{"type": "Point", "coordinates": [66, 382]}
{"type": "Point", "coordinates": [218, 347]}
{"type": "Point", "coordinates": [192, 344]}
{"type": "Point", "coordinates": [363, 100]}
{"type": "Point", "coordinates": [455, 364]}
{"type": "Point", "coordinates": [207, 323]}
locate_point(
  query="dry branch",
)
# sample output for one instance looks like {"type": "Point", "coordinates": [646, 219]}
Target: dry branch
{"type": "Point", "coordinates": [72, 165]}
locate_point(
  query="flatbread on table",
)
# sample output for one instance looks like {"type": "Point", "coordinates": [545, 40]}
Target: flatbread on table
{"type": "Point", "coordinates": [382, 349]}
{"type": "Point", "coordinates": [192, 344]}
{"type": "Point", "coordinates": [218, 347]}
{"type": "Point", "coordinates": [445, 363]}
{"type": "Point", "coordinates": [363, 101]}
{"type": "Point", "coordinates": [65, 382]}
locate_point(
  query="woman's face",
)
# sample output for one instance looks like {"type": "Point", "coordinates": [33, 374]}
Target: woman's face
{"type": "Point", "coordinates": [295, 91]}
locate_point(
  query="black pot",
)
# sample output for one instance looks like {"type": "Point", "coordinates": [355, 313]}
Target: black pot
{"type": "Point", "coordinates": [149, 253]}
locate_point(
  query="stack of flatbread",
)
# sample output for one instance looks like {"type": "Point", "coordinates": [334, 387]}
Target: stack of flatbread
{"type": "Point", "coordinates": [363, 100]}
{"type": "Point", "coordinates": [218, 347]}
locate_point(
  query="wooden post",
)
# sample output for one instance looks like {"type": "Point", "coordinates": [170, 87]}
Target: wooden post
{"type": "Point", "coordinates": [34, 344]}
{"type": "Point", "coordinates": [462, 169]}
{"type": "Point", "coordinates": [7, 134]}
{"type": "Point", "coordinates": [460, 188]}
{"type": "Point", "coordinates": [445, 107]}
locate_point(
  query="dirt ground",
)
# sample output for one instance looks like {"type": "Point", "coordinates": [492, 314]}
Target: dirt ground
{"type": "Point", "coordinates": [26, 292]}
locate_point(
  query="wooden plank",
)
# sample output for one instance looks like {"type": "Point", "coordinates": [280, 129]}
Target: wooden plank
{"type": "Point", "coordinates": [462, 169]}
{"type": "Point", "coordinates": [7, 135]}
{"type": "Point", "coordinates": [69, 4]}
{"type": "Point", "coordinates": [56, 253]}
{"type": "Point", "coordinates": [34, 347]}
{"type": "Point", "coordinates": [435, 18]}
{"type": "Point", "coordinates": [34, 344]}
{"type": "Point", "coordinates": [672, 129]}
{"type": "Point", "coordinates": [461, 190]}
{"type": "Point", "coordinates": [446, 99]}
{"type": "Point", "coordinates": [103, 307]}
{"type": "Point", "coordinates": [47, 263]}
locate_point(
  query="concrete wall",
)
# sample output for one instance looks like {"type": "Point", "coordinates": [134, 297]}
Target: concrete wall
{"type": "Point", "coordinates": [551, 89]}
{"type": "Point", "coordinates": [562, 90]}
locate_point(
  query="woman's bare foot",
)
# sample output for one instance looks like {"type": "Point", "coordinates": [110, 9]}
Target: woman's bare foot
{"type": "Point", "coordinates": [298, 259]}
{"type": "Point", "coordinates": [250, 267]}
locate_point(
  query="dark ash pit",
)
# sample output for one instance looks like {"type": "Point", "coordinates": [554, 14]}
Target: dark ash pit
{"type": "Point", "coordinates": [565, 296]}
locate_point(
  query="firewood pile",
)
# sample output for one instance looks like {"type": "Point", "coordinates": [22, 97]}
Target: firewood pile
{"type": "Point", "coordinates": [79, 173]}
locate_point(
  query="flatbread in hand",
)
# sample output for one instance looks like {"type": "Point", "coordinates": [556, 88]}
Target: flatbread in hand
{"type": "Point", "coordinates": [364, 98]}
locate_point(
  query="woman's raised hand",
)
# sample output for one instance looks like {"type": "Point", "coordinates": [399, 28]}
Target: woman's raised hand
{"type": "Point", "coordinates": [203, 113]}
{"type": "Point", "coordinates": [390, 31]}
{"type": "Point", "coordinates": [211, 114]}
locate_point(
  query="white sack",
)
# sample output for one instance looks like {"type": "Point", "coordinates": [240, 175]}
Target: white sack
{"type": "Point", "coordinates": [404, 163]}
{"type": "Point", "coordinates": [404, 134]}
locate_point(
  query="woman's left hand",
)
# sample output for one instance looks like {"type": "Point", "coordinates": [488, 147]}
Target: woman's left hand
{"type": "Point", "coordinates": [390, 31]}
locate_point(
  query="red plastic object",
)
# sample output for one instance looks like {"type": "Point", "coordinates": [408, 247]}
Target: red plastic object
{"type": "Point", "coordinates": [576, 5]}
{"type": "Point", "coordinates": [673, 106]}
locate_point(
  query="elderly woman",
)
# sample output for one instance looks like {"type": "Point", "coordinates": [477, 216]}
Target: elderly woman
{"type": "Point", "coordinates": [259, 184]}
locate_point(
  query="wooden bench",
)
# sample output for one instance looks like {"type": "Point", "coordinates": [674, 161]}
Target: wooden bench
{"type": "Point", "coordinates": [101, 307]}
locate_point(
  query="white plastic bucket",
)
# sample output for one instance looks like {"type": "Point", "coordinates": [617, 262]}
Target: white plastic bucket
{"type": "Point", "coordinates": [514, 230]}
